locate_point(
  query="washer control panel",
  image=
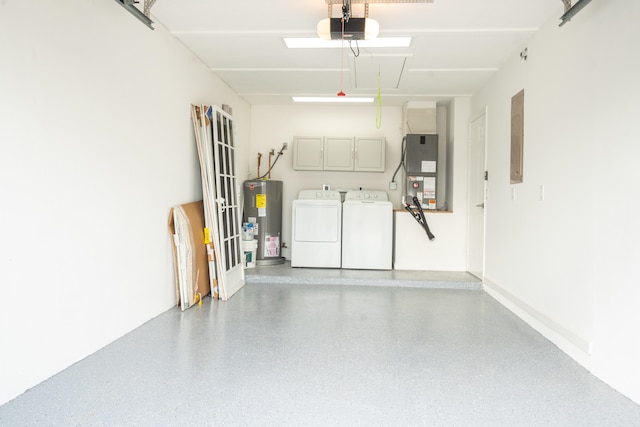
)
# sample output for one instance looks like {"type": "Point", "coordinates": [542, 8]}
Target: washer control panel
{"type": "Point", "coordinates": [319, 194]}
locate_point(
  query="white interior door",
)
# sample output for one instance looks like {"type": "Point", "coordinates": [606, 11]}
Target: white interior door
{"type": "Point", "coordinates": [228, 205]}
{"type": "Point", "coordinates": [477, 196]}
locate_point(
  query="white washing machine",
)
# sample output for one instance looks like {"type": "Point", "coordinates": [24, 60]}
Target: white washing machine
{"type": "Point", "coordinates": [367, 230]}
{"type": "Point", "coordinates": [316, 235]}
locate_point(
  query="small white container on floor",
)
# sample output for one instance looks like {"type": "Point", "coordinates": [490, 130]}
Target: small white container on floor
{"type": "Point", "coordinates": [250, 248]}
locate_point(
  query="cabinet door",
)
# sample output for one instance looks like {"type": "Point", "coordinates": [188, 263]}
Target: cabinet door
{"type": "Point", "coordinates": [307, 153]}
{"type": "Point", "coordinates": [369, 154]}
{"type": "Point", "coordinates": [338, 154]}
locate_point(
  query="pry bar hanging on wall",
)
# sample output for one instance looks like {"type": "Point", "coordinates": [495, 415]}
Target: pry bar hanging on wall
{"type": "Point", "coordinates": [418, 214]}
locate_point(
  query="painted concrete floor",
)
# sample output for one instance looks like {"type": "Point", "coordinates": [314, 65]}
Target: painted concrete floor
{"type": "Point", "coordinates": [295, 354]}
{"type": "Point", "coordinates": [283, 273]}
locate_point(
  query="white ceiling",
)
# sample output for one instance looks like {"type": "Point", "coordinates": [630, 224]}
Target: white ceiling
{"type": "Point", "coordinates": [457, 45]}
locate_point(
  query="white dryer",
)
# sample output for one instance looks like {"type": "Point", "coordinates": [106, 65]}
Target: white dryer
{"type": "Point", "coordinates": [316, 235]}
{"type": "Point", "coordinates": [367, 230]}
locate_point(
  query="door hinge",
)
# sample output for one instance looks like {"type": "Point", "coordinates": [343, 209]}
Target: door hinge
{"type": "Point", "coordinates": [486, 175]}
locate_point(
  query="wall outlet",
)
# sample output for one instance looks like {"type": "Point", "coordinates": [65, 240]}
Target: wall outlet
{"type": "Point", "coordinates": [393, 185]}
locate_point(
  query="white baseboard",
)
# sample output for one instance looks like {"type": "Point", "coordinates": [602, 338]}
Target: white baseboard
{"type": "Point", "coordinates": [575, 346]}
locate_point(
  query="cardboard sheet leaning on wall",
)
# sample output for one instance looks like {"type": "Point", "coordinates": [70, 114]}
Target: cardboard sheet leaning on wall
{"type": "Point", "coordinates": [186, 225]}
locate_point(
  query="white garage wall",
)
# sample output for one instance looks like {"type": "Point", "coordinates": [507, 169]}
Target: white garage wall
{"type": "Point", "coordinates": [273, 125]}
{"type": "Point", "coordinates": [567, 263]}
{"type": "Point", "coordinates": [97, 145]}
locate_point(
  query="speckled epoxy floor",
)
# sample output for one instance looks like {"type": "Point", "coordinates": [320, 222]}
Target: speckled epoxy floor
{"type": "Point", "coordinates": [284, 273]}
{"type": "Point", "coordinates": [318, 355]}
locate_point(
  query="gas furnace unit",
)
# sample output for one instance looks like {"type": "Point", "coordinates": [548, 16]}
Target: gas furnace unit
{"type": "Point", "coordinates": [421, 161]}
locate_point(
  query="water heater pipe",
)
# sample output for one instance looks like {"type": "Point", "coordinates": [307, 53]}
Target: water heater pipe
{"type": "Point", "coordinates": [271, 153]}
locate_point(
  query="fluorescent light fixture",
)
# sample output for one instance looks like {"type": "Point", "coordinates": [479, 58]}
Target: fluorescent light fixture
{"type": "Point", "coordinates": [317, 43]}
{"type": "Point", "coordinates": [330, 99]}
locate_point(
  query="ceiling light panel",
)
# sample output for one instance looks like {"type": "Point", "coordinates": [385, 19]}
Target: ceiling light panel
{"type": "Point", "coordinates": [331, 99]}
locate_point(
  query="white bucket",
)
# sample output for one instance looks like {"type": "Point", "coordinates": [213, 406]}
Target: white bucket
{"type": "Point", "coordinates": [250, 248]}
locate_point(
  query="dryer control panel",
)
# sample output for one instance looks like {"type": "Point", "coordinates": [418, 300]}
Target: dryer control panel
{"type": "Point", "coordinates": [367, 195]}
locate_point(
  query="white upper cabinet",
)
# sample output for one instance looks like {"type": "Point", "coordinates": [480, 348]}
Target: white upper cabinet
{"type": "Point", "coordinates": [339, 154]}
{"type": "Point", "coordinates": [369, 154]}
{"type": "Point", "coordinates": [307, 153]}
